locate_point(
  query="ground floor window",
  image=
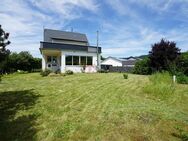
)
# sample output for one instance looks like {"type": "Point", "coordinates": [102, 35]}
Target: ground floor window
{"type": "Point", "coordinates": [68, 60]}
{"type": "Point", "coordinates": [78, 60]}
{"type": "Point", "coordinates": [89, 60]}
{"type": "Point", "coordinates": [83, 60]}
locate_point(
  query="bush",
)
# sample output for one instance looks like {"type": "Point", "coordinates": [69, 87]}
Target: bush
{"type": "Point", "coordinates": [182, 63]}
{"type": "Point", "coordinates": [142, 67]}
{"type": "Point", "coordinates": [69, 72]}
{"type": "Point", "coordinates": [125, 76]}
{"type": "Point", "coordinates": [57, 71]}
{"type": "Point", "coordinates": [182, 78]}
{"type": "Point", "coordinates": [0, 77]}
{"type": "Point", "coordinates": [45, 73]}
{"type": "Point", "coordinates": [102, 71]}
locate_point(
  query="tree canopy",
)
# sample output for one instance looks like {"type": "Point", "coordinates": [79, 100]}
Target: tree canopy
{"type": "Point", "coordinates": [3, 43]}
{"type": "Point", "coordinates": [163, 55]}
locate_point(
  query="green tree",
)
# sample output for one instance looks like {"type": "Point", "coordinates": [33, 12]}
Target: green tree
{"type": "Point", "coordinates": [142, 67]}
{"type": "Point", "coordinates": [21, 61]}
{"type": "Point", "coordinates": [3, 43]}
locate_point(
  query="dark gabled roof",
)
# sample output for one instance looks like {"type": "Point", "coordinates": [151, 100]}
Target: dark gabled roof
{"type": "Point", "coordinates": [61, 46]}
{"type": "Point", "coordinates": [131, 57]}
{"type": "Point", "coordinates": [50, 34]}
{"type": "Point", "coordinates": [129, 62]}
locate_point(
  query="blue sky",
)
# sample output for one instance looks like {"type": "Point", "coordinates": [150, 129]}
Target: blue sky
{"type": "Point", "coordinates": [126, 27]}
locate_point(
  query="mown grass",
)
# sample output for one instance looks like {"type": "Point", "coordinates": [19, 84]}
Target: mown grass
{"type": "Point", "coordinates": [91, 107]}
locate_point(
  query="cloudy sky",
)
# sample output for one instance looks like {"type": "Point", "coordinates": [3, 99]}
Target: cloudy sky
{"type": "Point", "coordinates": [127, 27]}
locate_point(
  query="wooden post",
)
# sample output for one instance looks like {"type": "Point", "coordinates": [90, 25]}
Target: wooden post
{"type": "Point", "coordinates": [174, 78]}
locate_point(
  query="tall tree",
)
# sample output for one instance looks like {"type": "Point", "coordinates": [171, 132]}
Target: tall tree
{"type": "Point", "coordinates": [3, 43]}
{"type": "Point", "coordinates": [163, 55]}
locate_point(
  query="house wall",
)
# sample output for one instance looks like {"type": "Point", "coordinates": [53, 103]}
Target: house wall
{"type": "Point", "coordinates": [76, 53]}
{"type": "Point", "coordinates": [43, 62]}
{"type": "Point", "coordinates": [112, 62]}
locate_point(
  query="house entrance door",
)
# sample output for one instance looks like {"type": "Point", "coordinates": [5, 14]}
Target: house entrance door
{"type": "Point", "coordinates": [52, 63]}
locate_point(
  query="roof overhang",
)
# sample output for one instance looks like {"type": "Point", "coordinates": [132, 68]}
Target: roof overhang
{"type": "Point", "coordinates": [60, 46]}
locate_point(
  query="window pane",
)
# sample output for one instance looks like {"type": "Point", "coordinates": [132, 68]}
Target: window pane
{"type": "Point", "coordinates": [75, 60]}
{"type": "Point", "coordinates": [54, 59]}
{"type": "Point", "coordinates": [68, 60]}
{"type": "Point", "coordinates": [83, 60]}
{"type": "Point", "coordinates": [89, 60]}
{"type": "Point", "coordinates": [48, 59]}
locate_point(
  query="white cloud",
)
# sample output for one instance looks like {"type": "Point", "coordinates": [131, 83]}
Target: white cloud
{"type": "Point", "coordinates": [25, 19]}
{"type": "Point", "coordinates": [129, 33]}
{"type": "Point", "coordinates": [134, 39]}
{"type": "Point", "coordinates": [134, 34]}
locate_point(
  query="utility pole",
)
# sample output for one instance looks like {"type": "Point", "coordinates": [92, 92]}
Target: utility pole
{"type": "Point", "coordinates": [97, 48]}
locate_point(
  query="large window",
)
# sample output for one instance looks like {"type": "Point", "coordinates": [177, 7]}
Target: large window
{"type": "Point", "coordinates": [68, 60]}
{"type": "Point", "coordinates": [83, 60]}
{"type": "Point", "coordinates": [89, 60]}
{"type": "Point", "coordinates": [75, 60]}
{"type": "Point", "coordinates": [79, 60]}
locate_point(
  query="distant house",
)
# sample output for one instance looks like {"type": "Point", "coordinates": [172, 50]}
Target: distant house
{"type": "Point", "coordinates": [63, 51]}
{"type": "Point", "coordinates": [119, 62]}
{"type": "Point", "coordinates": [112, 61]}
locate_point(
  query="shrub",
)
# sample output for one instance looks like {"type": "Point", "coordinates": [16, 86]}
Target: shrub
{"type": "Point", "coordinates": [142, 67]}
{"type": "Point", "coordinates": [45, 73]}
{"type": "Point", "coordinates": [83, 69]}
{"type": "Point", "coordinates": [182, 63]}
{"type": "Point", "coordinates": [62, 74]}
{"type": "Point", "coordinates": [69, 72]}
{"type": "Point", "coordinates": [102, 71]}
{"type": "Point", "coordinates": [125, 76]}
{"type": "Point", "coordinates": [160, 85]}
{"type": "Point", "coordinates": [57, 71]}
{"type": "Point", "coordinates": [0, 77]}
{"type": "Point", "coordinates": [182, 78]}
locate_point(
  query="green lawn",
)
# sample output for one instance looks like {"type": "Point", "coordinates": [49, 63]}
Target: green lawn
{"type": "Point", "coordinates": [90, 107]}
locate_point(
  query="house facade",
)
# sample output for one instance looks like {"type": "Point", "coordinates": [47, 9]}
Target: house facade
{"type": "Point", "coordinates": [62, 51]}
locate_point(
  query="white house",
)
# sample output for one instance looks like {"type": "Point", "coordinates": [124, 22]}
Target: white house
{"type": "Point", "coordinates": [122, 62]}
{"type": "Point", "coordinates": [63, 51]}
{"type": "Point", "coordinates": [111, 61]}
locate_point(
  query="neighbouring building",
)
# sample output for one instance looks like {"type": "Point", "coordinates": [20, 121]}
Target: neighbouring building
{"type": "Point", "coordinates": [112, 63]}
{"type": "Point", "coordinates": [62, 51]}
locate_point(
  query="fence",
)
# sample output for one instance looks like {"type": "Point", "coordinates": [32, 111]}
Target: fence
{"type": "Point", "coordinates": [120, 69]}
